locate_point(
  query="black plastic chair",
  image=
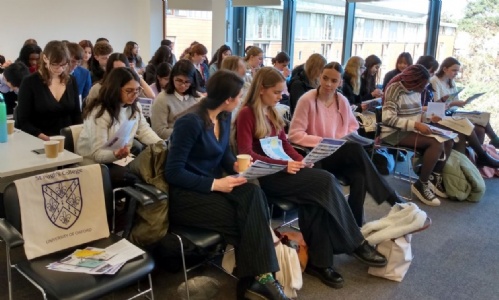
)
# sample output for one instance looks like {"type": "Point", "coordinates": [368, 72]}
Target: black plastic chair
{"type": "Point", "coordinates": [64, 285]}
{"type": "Point", "coordinates": [378, 143]}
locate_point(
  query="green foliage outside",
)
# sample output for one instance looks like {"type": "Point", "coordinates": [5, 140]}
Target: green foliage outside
{"type": "Point", "coordinates": [480, 66]}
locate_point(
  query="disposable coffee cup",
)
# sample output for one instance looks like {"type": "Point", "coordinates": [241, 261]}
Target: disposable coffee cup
{"type": "Point", "coordinates": [60, 139]}
{"type": "Point", "coordinates": [10, 126]}
{"type": "Point", "coordinates": [243, 161]}
{"type": "Point", "coordinates": [51, 149]}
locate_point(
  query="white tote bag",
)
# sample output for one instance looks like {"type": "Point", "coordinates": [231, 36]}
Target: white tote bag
{"type": "Point", "coordinates": [62, 209]}
{"type": "Point", "coordinates": [399, 255]}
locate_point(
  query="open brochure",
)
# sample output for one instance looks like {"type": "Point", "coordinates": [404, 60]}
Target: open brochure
{"type": "Point", "coordinates": [324, 149]}
{"type": "Point", "coordinates": [98, 261]}
{"type": "Point", "coordinates": [259, 169]}
{"type": "Point", "coordinates": [446, 134]}
{"type": "Point", "coordinates": [457, 124]}
{"type": "Point", "coordinates": [453, 96]}
{"type": "Point", "coordinates": [475, 117]}
{"type": "Point", "coordinates": [372, 104]}
{"type": "Point", "coordinates": [473, 97]}
{"type": "Point", "coordinates": [272, 147]}
{"type": "Point", "coordinates": [121, 137]}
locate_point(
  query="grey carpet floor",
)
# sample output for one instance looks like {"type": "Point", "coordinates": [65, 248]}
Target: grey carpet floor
{"type": "Point", "coordinates": [456, 258]}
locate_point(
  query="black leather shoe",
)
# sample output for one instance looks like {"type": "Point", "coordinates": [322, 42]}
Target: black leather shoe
{"type": "Point", "coordinates": [368, 255]}
{"type": "Point", "coordinates": [487, 161]}
{"type": "Point", "coordinates": [269, 291]}
{"type": "Point", "coordinates": [327, 275]}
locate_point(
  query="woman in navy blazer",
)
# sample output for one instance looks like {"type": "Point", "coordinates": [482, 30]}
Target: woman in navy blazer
{"type": "Point", "coordinates": [201, 196]}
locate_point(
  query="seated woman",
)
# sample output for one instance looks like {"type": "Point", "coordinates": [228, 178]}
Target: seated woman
{"type": "Point", "coordinates": [237, 64]}
{"type": "Point", "coordinates": [48, 99]}
{"type": "Point", "coordinates": [402, 113]}
{"type": "Point", "coordinates": [403, 61]}
{"type": "Point", "coordinates": [483, 158]}
{"type": "Point", "coordinates": [325, 219]}
{"type": "Point", "coordinates": [304, 78]}
{"type": "Point", "coordinates": [117, 60]}
{"type": "Point", "coordinates": [325, 113]}
{"type": "Point", "coordinates": [116, 103]}
{"type": "Point", "coordinates": [216, 62]}
{"type": "Point", "coordinates": [162, 77]}
{"type": "Point", "coordinates": [368, 89]}
{"type": "Point", "coordinates": [197, 56]}
{"type": "Point", "coordinates": [82, 75]}
{"type": "Point", "coordinates": [162, 54]}
{"type": "Point", "coordinates": [88, 49]}
{"type": "Point", "coordinates": [201, 197]}
{"type": "Point", "coordinates": [254, 60]}
{"type": "Point", "coordinates": [10, 81]}
{"type": "Point", "coordinates": [97, 63]}
{"type": "Point", "coordinates": [281, 63]}
{"type": "Point", "coordinates": [30, 56]}
{"type": "Point", "coordinates": [180, 95]}
{"type": "Point", "coordinates": [444, 85]}
{"type": "Point", "coordinates": [131, 52]}
{"type": "Point", "coordinates": [351, 81]}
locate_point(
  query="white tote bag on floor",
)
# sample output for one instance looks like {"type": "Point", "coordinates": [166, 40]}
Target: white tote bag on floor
{"type": "Point", "coordinates": [399, 255]}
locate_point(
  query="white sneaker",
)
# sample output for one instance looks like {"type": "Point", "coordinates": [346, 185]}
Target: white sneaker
{"type": "Point", "coordinates": [424, 193]}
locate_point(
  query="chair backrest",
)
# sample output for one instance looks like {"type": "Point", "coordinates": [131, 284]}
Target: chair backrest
{"type": "Point", "coordinates": [13, 210]}
{"type": "Point", "coordinates": [71, 134]}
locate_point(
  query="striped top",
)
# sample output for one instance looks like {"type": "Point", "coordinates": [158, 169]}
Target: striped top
{"type": "Point", "coordinates": [401, 109]}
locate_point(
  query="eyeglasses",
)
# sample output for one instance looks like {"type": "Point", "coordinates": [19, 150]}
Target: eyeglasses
{"type": "Point", "coordinates": [182, 82]}
{"type": "Point", "coordinates": [133, 92]}
{"type": "Point", "coordinates": [75, 62]}
{"type": "Point", "coordinates": [57, 66]}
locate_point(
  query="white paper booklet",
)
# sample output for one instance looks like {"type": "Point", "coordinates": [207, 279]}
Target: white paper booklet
{"type": "Point", "coordinates": [441, 134]}
{"type": "Point", "coordinates": [259, 169]}
{"type": "Point", "coordinates": [146, 104]}
{"type": "Point", "coordinates": [98, 261]}
{"type": "Point", "coordinates": [457, 124]}
{"type": "Point", "coordinates": [324, 149]}
{"type": "Point", "coordinates": [121, 137]}
{"type": "Point", "coordinates": [475, 117]}
{"type": "Point", "coordinates": [272, 146]}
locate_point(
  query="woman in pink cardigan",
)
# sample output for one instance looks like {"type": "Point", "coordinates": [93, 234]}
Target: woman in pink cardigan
{"type": "Point", "coordinates": [325, 113]}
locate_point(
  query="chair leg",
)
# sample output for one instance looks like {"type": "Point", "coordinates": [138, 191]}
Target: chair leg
{"type": "Point", "coordinates": [9, 272]}
{"type": "Point", "coordinates": [183, 265]}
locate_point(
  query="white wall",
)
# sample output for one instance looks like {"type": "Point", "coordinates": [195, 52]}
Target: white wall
{"type": "Point", "coordinates": [119, 21]}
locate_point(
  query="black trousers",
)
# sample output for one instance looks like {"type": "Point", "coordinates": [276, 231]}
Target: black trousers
{"type": "Point", "coordinates": [351, 162]}
{"type": "Point", "coordinates": [325, 220]}
{"type": "Point", "coordinates": [241, 216]}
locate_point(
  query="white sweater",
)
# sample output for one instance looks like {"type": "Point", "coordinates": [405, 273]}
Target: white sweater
{"type": "Point", "coordinates": [442, 88]}
{"type": "Point", "coordinates": [96, 133]}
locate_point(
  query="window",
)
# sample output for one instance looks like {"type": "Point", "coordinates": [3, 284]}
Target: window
{"type": "Point", "coordinates": [264, 30]}
{"type": "Point", "coordinates": [318, 29]}
{"type": "Point", "coordinates": [199, 28]}
{"type": "Point", "coordinates": [387, 28]}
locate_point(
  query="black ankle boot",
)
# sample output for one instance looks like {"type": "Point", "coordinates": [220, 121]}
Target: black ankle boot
{"type": "Point", "coordinates": [487, 161]}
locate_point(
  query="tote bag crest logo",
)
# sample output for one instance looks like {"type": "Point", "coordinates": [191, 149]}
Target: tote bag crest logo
{"type": "Point", "coordinates": [63, 202]}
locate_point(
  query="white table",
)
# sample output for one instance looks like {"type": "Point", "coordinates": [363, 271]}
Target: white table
{"type": "Point", "coordinates": [17, 156]}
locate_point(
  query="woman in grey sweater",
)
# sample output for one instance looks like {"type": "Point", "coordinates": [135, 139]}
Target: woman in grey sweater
{"type": "Point", "coordinates": [180, 94]}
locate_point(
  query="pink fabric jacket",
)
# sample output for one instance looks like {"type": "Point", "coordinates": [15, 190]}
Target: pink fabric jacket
{"type": "Point", "coordinates": [312, 120]}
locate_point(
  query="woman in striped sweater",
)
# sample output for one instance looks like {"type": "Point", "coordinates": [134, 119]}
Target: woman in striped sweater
{"type": "Point", "coordinates": [402, 115]}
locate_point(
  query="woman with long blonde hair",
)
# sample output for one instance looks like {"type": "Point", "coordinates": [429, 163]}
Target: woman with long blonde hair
{"type": "Point", "coordinates": [351, 79]}
{"type": "Point", "coordinates": [305, 78]}
{"type": "Point", "coordinates": [325, 219]}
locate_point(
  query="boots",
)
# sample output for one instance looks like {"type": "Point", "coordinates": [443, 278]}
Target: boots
{"type": "Point", "coordinates": [486, 160]}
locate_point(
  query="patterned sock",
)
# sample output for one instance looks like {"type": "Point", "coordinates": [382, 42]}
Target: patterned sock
{"type": "Point", "coordinates": [264, 278]}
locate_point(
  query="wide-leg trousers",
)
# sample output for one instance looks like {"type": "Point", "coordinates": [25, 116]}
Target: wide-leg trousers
{"type": "Point", "coordinates": [325, 220]}
{"type": "Point", "coordinates": [241, 216]}
{"type": "Point", "coordinates": [351, 162]}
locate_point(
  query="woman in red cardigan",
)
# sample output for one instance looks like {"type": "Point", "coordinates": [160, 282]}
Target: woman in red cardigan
{"type": "Point", "coordinates": [325, 219]}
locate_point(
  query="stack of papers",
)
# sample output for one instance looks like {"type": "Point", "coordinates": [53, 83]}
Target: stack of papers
{"type": "Point", "coordinates": [98, 261]}
{"type": "Point", "coordinates": [442, 132]}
